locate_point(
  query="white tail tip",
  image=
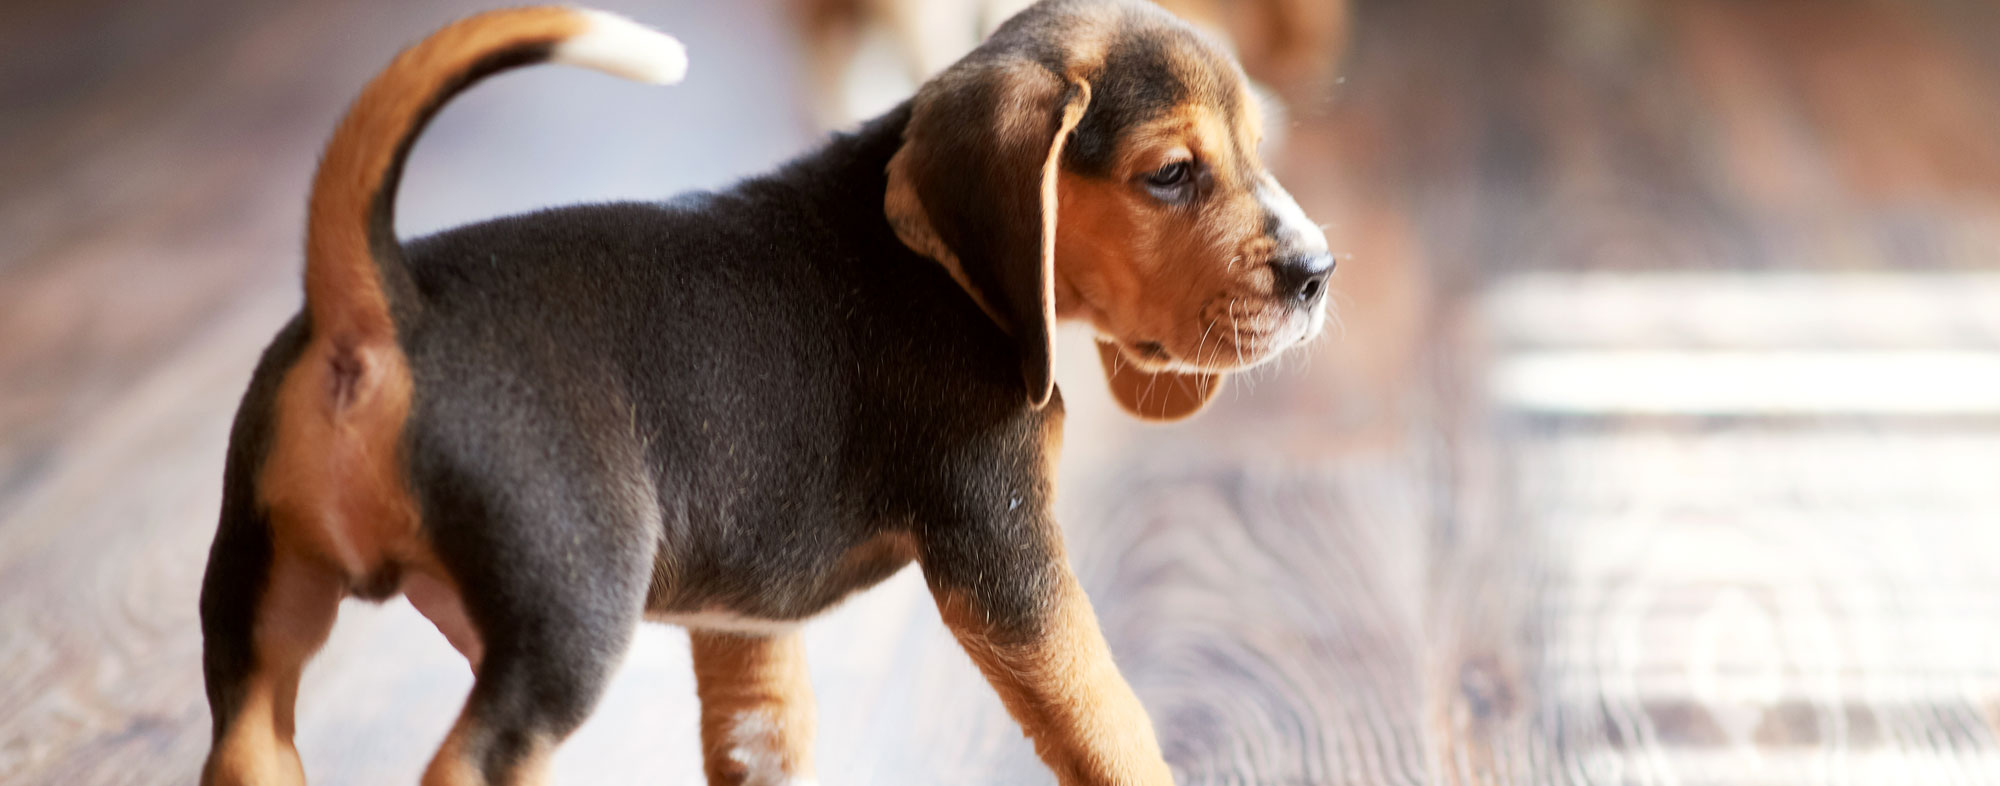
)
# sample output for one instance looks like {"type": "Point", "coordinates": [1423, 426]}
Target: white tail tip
{"type": "Point", "coordinates": [620, 46]}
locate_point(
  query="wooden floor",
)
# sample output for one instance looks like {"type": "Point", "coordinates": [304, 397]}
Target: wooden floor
{"type": "Point", "coordinates": [1660, 443]}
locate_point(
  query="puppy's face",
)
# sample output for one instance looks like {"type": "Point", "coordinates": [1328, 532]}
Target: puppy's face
{"type": "Point", "coordinates": [1173, 239]}
{"type": "Point", "coordinates": [1097, 159]}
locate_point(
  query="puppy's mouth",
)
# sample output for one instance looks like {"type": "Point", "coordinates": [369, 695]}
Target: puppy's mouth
{"type": "Point", "coordinates": [1236, 333]}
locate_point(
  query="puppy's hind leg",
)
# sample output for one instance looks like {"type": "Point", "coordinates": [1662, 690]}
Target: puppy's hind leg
{"type": "Point", "coordinates": [264, 612]}
{"type": "Point", "coordinates": [548, 651]}
{"type": "Point", "coordinates": [552, 572]}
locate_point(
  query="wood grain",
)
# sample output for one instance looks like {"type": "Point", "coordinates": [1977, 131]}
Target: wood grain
{"type": "Point", "coordinates": [1362, 567]}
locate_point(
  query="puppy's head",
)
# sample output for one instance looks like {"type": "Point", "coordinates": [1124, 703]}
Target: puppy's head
{"type": "Point", "coordinates": [1098, 159]}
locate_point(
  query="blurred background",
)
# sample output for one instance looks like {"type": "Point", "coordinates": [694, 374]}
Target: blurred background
{"type": "Point", "coordinates": [1658, 443]}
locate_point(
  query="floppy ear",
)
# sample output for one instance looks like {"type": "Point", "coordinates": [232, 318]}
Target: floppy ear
{"type": "Point", "coordinates": [974, 187]}
{"type": "Point", "coordinates": [1156, 395]}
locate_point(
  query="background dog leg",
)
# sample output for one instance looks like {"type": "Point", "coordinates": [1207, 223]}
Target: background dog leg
{"type": "Point", "coordinates": [756, 709]}
{"type": "Point", "coordinates": [1056, 676]}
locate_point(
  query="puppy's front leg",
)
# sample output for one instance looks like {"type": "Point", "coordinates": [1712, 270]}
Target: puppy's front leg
{"type": "Point", "coordinates": [756, 709]}
{"type": "Point", "coordinates": [1054, 672]}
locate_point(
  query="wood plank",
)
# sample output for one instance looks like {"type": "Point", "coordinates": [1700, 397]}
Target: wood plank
{"type": "Point", "coordinates": [1721, 597]}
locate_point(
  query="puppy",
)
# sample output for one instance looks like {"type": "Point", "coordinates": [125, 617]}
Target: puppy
{"type": "Point", "coordinates": [733, 409]}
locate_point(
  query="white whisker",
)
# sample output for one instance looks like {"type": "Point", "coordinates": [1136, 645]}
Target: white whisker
{"type": "Point", "coordinates": [1204, 340]}
{"type": "Point", "coordinates": [1236, 336]}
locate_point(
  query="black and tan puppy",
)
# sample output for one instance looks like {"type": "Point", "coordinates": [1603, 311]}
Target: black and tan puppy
{"type": "Point", "coordinates": [731, 410]}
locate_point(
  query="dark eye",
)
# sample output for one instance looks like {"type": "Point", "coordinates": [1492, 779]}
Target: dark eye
{"type": "Point", "coordinates": [1173, 183]}
{"type": "Point", "coordinates": [1171, 175]}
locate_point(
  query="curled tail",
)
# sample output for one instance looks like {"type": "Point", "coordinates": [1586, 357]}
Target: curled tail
{"type": "Point", "coordinates": [357, 288]}
{"type": "Point", "coordinates": [333, 480]}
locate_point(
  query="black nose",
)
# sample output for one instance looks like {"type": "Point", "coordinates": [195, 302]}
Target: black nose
{"type": "Point", "coordinates": [1301, 278]}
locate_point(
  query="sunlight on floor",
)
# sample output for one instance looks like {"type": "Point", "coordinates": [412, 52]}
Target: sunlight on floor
{"type": "Point", "coordinates": [1767, 508]}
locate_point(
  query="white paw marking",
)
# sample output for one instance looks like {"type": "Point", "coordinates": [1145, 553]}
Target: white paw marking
{"type": "Point", "coordinates": [757, 741]}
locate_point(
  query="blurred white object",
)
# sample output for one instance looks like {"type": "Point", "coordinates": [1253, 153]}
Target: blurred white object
{"type": "Point", "coordinates": [1742, 344]}
{"type": "Point", "coordinates": [865, 56]}
{"type": "Point", "coordinates": [1614, 382]}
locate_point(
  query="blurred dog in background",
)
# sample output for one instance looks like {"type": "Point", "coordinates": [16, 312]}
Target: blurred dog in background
{"type": "Point", "coordinates": [864, 56]}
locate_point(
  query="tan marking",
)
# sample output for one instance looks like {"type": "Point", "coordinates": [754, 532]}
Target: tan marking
{"type": "Point", "coordinates": [757, 709]}
{"type": "Point", "coordinates": [435, 594]}
{"type": "Point", "coordinates": [1140, 271]}
{"type": "Point", "coordinates": [1155, 395]}
{"type": "Point", "coordinates": [1052, 446]}
{"type": "Point", "coordinates": [334, 482]}
{"type": "Point", "coordinates": [1061, 685]}
{"type": "Point", "coordinates": [293, 618]}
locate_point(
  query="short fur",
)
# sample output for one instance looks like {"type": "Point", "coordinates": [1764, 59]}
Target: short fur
{"type": "Point", "coordinates": [729, 410]}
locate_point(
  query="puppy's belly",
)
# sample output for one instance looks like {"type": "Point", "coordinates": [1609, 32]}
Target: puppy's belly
{"type": "Point", "coordinates": [787, 594]}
